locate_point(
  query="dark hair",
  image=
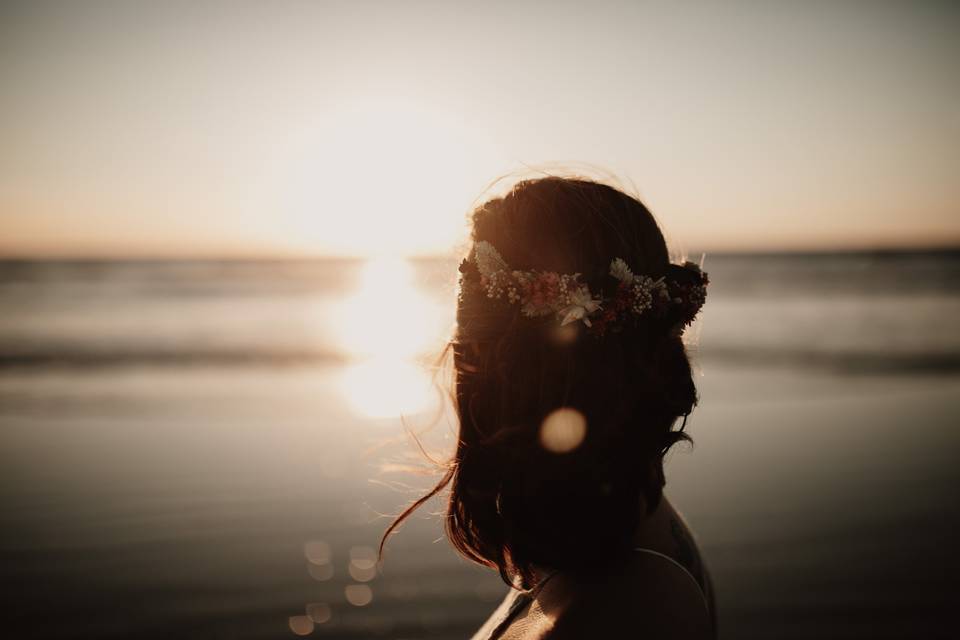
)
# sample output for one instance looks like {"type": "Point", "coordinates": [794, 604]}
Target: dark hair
{"type": "Point", "coordinates": [513, 503]}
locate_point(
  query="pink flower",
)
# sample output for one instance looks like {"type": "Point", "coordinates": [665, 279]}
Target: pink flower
{"type": "Point", "coordinates": [544, 290]}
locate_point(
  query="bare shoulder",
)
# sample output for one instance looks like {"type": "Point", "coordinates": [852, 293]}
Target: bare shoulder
{"type": "Point", "coordinates": [650, 597]}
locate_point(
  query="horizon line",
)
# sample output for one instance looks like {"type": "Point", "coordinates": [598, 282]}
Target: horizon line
{"type": "Point", "coordinates": [276, 256]}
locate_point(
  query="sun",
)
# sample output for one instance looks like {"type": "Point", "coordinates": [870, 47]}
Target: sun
{"type": "Point", "coordinates": [385, 178]}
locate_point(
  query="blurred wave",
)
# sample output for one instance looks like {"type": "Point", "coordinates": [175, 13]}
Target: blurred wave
{"type": "Point", "coordinates": [65, 358]}
{"type": "Point", "coordinates": [845, 362]}
{"type": "Point", "coordinates": [863, 312]}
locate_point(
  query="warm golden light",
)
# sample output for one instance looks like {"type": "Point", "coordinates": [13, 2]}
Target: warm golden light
{"type": "Point", "coordinates": [320, 572]}
{"type": "Point", "coordinates": [385, 176]}
{"type": "Point", "coordinates": [385, 388]}
{"type": "Point", "coordinates": [371, 137]}
{"type": "Point", "coordinates": [363, 557]}
{"type": "Point", "coordinates": [319, 612]}
{"type": "Point", "coordinates": [301, 625]}
{"type": "Point", "coordinates": [363, 564]}
{"type": "Point", "coordinates": [317, 551]}
{"type": "Point", "coordinates": [359, 595]}
{"type": "Point", "coordinates": [563, 430]}
{"type": "Point", "coordinates": [388, 316]}
{"type": "Point", "coordinates": [384, 326]}
{"type": "Point", "coordinates": [318, 555]}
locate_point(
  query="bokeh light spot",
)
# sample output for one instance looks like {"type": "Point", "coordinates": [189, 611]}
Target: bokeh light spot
{"type": "Point", "coordinates": [317, 551]}
{"type": "Point", "coordinates": [359, 595]}
{"type": "Point", "coordinates": [320, 572]}
{"type": "Point", "coordinates": [362, 574]}
{"type": "Point", "coordinates": [363, 557]}
{"type": "Point", "coordinates": [565, 334]}
{"type": "Point", "coordinates": [301, 625]}
{"type": "Point", "coordinates": [563, 430]}
{"type": "Point", "coordinates": [319, 612]}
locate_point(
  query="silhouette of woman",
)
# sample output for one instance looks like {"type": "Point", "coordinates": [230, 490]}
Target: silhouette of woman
{"type": "Point", "coordinates": [571, 383]}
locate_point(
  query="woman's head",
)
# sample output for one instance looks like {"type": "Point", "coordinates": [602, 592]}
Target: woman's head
{"type": "Point", "coordinates": [516, 500]}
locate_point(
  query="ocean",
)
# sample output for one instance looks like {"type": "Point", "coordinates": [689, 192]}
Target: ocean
{"type": "Point", "coordinates": [211, 449]}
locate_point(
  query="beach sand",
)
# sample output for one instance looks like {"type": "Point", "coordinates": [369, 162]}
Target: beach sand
{"type": "Point", "coordinates": [160, 503]}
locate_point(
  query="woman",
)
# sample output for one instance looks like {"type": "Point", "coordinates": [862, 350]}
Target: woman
{"type": "Point", "coordinates": [571, 383]}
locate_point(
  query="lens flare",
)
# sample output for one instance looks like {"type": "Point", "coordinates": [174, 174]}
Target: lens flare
{"type": "Point", "coordinates": [563, 430]}
{"type": "Point", "coordinates": [317, 551]}
{"type": "Point", "coordinates": [320, 572]}
{"type": "Point", "coordinates": [301, 625]}
{"type": "Point", "coordinates": [319, 612]}
{"type": "Point", "coordinates": [364, 557]}
{"type": "Point", "coordinates": [359, 595]}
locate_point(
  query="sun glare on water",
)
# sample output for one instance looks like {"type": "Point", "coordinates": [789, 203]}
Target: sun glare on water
{"type": "Point", "coordinates": [384, 177]}
{"type": "Point", "coordinates": [384, 327]}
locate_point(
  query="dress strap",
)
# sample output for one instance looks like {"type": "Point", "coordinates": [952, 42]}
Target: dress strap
{"type": "Point", "coordinates": [520, 600]}
{"type": "Point", "coordinates": [703, 595]}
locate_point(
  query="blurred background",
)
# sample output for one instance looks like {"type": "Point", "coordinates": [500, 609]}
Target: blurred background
{"type": "Point", "coordinates": [230, 233]}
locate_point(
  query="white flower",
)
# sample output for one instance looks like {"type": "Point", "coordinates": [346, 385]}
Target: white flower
{"type": "Point", "coordinates": [620, 271]}
{"type": "Point", "coordinates": [488, 259]}
{"type": "Point", "coordinates": [582, 304]}
{"type": "Point", "coordinates": [643, 288]}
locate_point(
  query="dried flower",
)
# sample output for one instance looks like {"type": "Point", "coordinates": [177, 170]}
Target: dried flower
{"type": "Point", "coordinates": [582, 304]}
{"type": "Point", "coordinates": [620, 271]}
{"type": "Point", "coordinates": [540, 293]}
{"type": "Point", "coordinates": [488, 259]}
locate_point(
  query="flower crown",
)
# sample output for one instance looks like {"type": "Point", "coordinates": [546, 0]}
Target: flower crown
{"type": "Point", "coordinates": [677, 296]}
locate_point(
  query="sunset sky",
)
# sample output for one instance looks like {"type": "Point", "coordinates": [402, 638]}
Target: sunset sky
{"type": "Point", "coordinates": [355, 128]}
